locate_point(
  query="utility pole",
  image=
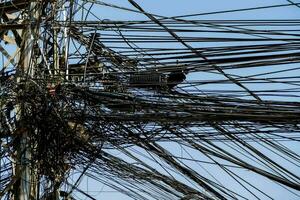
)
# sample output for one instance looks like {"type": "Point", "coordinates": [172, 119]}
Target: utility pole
{"type": "Point", "coordinates": [25, 187]}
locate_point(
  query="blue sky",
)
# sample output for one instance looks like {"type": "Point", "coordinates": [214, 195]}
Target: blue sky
{"type": "Point", "coordinates": [183, 7]}
{"type": "Point", "coordinates": [180, 7]}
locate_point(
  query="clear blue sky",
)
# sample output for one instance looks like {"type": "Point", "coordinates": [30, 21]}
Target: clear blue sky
{"type": "Point", "coordinates": [183, 7]}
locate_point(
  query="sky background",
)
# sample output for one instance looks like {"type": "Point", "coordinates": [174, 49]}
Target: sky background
{"type": "Point", "coordinates": [183, 7]}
